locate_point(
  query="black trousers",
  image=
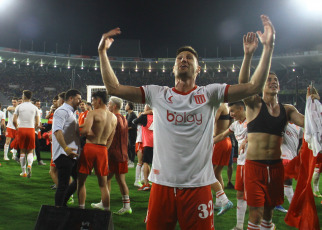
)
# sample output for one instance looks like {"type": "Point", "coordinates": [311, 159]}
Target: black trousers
{"type": "Point", "coordinates": [37, 148]}
{"type": "Point", "coordinates": [131, 149]}
{"type": "Point", "coordinates": [66, 168]}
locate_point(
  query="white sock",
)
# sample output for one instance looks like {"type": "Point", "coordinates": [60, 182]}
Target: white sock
{"type": "Point", "coordinates": [138, 172]}
{"type": "Point", "coordinates": [23, 163]}
{"type": "Point", "coordinates": [14, 151]}
{"type": "Point", "coordinates": [221, 196]}
{"type": "Point", "coordinates": [126, 201]}
{"type": "Point", "coordinates": [241, 210]}
{"type": "Point", "coordinates": [266, 224]}
{"type": "Point", "coordinates": [6, 149]}
{"type": "Point", "coordinates": [81, 206]}
{"type": "Point", "coordinates": [30, 159]}
{"type": "Point", "coordinates": [316, 177]}
{"type": "Point", "coordinates": [288, 192]}
{"type": "Point", "coordinates": [252, 226]}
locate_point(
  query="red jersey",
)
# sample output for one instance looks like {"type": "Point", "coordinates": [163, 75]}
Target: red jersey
{"type": "Point", "coordinates": [118, 149]}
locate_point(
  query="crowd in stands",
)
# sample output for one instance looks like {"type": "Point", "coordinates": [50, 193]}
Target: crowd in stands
{"type": "Point", "coordinates": [16, 78]}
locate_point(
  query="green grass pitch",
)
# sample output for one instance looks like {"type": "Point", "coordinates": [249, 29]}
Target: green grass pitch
{"type": "Point", "coordinates": [21, 199]}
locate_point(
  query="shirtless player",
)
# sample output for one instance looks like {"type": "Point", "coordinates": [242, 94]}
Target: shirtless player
{"type": "Point", "coordinates": [99, 128]}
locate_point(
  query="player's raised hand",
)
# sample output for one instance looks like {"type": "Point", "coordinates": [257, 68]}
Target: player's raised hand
{"type": "Point", "coordinates": [268, 37]}
{"type": "Point", "coordinates": [250, 43]}
{"type": "Point", "coordinates": [107, 40]}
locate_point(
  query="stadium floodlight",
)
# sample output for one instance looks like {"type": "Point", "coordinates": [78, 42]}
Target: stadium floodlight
{"type": "Point", "coordinates": [293, 69]}
{"type": "Point", "coordinates": [122, 69]}
{"type": "Point", "coordinates": [205, 69]}
{"type": "Point", "coordinates": [136, 67]}
{"type": "Point", "coordinates": [55, 63]}
{"type": "Point", "coordinates": [310, 6]}
{"type": "Point", "coordinates": [14, 61]}
{"type": "Point", "coordinates": [163, 68]}
{"type": "Point", "coordinates": [0, 59]}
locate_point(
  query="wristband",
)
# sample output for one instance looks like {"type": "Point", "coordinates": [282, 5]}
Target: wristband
{"type": "Point", "coordinates": [66, 148]}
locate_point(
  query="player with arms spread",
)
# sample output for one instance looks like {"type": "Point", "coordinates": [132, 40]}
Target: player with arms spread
{"type": "Point", "coordinates": [182, 171]}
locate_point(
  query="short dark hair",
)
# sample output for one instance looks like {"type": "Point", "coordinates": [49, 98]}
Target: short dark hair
{"type": "Point", "coordinates": [27, 94]}
{"type": "Point", "coordinates": [89, 104]}
{"type": "Point", "coordinates": [55, 98]}
{"type": "Point", "coordinates": [100, 94]}
{"type": "Point", "coordinates": [189, 49]}
{"type": "Point", "coordinates": [71, 93]}
{"type": "Point", "coordinates": [84, 101]}
{"type": "Point", "coordinates": [131, 105]}
{"type": "Point", "coordinates": [62, 95]}
{"type": "Point", "coordinates": [37, 100]}
{"type": "Point", "coordinates": [237, 103]}
{"type": "Point", "coordinates": [272, 73]}
{"type": "Point", "coordinates": [15, 98]}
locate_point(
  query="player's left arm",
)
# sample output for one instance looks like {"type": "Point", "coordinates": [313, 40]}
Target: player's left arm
{"type": "Point", "coordinates": [87, 126]}
{"type": "Point", "coordinates": [294, 116]}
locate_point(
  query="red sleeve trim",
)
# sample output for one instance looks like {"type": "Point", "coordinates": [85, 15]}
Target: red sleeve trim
{"type": "Point", "coordinates": [143, 95]}
{"type": "Point", "coordinates": [231, 131]}
{"type": "Point", "coordinates": [226, 93]}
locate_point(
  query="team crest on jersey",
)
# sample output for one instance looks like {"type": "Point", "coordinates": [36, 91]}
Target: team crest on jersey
{"type": "Point", "coordinates": [200, 99]}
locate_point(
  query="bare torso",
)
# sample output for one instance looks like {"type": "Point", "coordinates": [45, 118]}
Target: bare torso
{"type": "Point", "coordinates": [221, 125]}
{"type": "Point", "coordinates": [104, 123]}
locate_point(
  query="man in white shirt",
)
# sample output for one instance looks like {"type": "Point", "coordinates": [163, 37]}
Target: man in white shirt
{"type": "Point", "coordinates": [182, 171]}
{"type": "Point", "coordinates": [66, 144]}
{"type": "Point", "coordinates": [10, 130]}
{"type": "Point", "coordinates": [28, 115]}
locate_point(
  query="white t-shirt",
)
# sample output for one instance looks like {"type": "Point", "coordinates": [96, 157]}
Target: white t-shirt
{"type": "Point", "coordinates": [291, 141]}
{"type": "Point", "coordinates": [183, 129]}
{"type": "Point", "coordinates": [2, 117]}
{"type": "Point", "coordinates": [139, 134]}
{"type": "Point", "coordinates": [27, 112]}
{"type": "Point", "coordinates": [10, 120]}
{"type": "Point", "coordinates": [65, 120]}
{"type": "Point", "coordinates": [240, 131]}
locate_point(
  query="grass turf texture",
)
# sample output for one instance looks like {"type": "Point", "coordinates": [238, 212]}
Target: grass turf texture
{"type": "Point", "coordinates": [21, 199]}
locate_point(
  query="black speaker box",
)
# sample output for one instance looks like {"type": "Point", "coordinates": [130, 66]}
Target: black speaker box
{"type": "Point", "coordinates": [63, 218]}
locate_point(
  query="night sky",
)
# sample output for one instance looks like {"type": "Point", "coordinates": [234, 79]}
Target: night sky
{"type": "Point", "coordinates": [160, 25]}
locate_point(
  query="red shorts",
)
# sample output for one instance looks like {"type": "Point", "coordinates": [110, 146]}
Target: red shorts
{"type": "Point", "coordinates": [240, 178]}
{"type": "Point", "coordinates": [26, 138]}
{"type": "Point", "coordinates": [192, 207]}
{"type": "Point", "coordinates": [138, 147]}
{"type": "Point", "coordinates": [117, 167]}
{"type": "Point", "coordinates": [221, 152]}
{"type": "Point", "coordinates": [93, 156]}
{"type": "Point", "coordinates": [264, 184]}
{"type": "Point", "coordinates": [11, 133]}
{"type": "Point", "coordinates": [15, 143]}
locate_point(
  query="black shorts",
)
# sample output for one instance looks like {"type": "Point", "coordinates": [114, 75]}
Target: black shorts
{"type": "Point", "coordinates": [147, 155]}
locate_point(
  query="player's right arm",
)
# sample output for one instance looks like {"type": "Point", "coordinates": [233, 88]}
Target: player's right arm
{"type": "Point", "coordinates": [110, 80]}
{"type": "Point", "coordinates": [222, 136]}
{"type": "Point", "coordinates": [11, 108]}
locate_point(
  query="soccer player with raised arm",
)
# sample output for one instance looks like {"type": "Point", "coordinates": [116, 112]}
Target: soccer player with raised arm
{"type": "Point", "coordinates": [182, 171]}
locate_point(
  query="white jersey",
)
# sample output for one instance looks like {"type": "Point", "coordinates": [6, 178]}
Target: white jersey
{"type": "Point", "coordinates": [183, 129]}
{"type": "Point", "coordinates": [27, 112]}
{"type": "Point", "coordinates": [2, 117]}
{"type": "Point", "coordinates": [291, 141]}
{"type": "Point", "coordinates": [240, 131]}
{"type": "Point", "coordinates": [139, 134]}
{"type": "Point", "coordinates": [10, 120]}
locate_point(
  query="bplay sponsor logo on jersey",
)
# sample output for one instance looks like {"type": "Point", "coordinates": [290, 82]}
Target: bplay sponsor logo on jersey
{"type": "Point", "coordinates": [184, 118]}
